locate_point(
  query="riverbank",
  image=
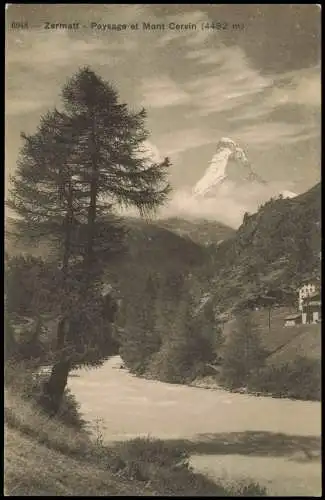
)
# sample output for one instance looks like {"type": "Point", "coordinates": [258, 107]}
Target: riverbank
{"type": "Point", "coordinates": [209, 383]}
{"type": "Point", "coordinates": [299, 380]}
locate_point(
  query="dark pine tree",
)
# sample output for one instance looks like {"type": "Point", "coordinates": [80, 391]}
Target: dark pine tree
{"type": "Point", "coordinates": [80, 164]}
{"type": "Point", "coordinates": [113, 166]}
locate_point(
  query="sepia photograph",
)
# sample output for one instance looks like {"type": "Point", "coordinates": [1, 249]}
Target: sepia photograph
{"type": "Point", "coordinates": [162, 250]}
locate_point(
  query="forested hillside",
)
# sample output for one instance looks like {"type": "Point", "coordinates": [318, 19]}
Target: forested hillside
{"type": "Point", "coordinates": [273, 250]}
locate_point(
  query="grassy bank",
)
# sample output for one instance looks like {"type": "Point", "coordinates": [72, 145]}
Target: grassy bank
{"type": "Point", "coordinates": [291, 367]}
{"type": "Point", "coordinates": [299, 379]}
{"type": "Point", "coordinates": [48, 457]}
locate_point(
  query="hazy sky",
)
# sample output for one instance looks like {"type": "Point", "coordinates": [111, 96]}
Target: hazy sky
{"type": "Point", "coordinates": [259, 85]}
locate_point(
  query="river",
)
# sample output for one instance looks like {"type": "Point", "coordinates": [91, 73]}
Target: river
{"type": "Point", "coordinates": [273, 441]}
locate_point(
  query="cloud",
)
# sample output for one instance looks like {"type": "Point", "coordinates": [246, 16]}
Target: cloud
{"type": "Point", "coordinates": [300, 87]}
{"type": "Point", "coordinates": [231, 84]}
{"type": "Point", "coordinates": [270, 120]}
{"type": "Point", "coordinates": [272, 133]}
{"type": "Point", "coordinates": [38, 62]}
{"type": "Point", "coordinates": [246, 98]}
{"type": "Point", "coordinates": [297, 88]}
{"type": "Point", "coordinates": [51, 49]}
{"type": "Point", "coordinates": [160, 92]}
{"type": "Point", "coordinates": [178, 141]}
{"type": "Point", "coordinates": [249, 99]}
{"type": "Point", "coordinates": [228, 206]}
{"type": "Point", "coordinates": [21, 106]}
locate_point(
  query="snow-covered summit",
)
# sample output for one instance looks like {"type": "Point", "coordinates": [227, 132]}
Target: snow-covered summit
{"type": "Point", "coordinates": [226, 150]}
{"type": "Point", "coordinates": [231, 168]}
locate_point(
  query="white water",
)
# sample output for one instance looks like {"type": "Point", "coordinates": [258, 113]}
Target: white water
{"type": "Point", "coordinates": [215, 421]}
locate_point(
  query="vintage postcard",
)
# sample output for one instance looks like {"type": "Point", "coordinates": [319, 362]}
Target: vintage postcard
{"type": "Point", "coordinates": [163, 250]}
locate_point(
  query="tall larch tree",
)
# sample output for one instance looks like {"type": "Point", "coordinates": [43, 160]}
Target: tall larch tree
{"type": "Point", "coordinates": [83, 162]}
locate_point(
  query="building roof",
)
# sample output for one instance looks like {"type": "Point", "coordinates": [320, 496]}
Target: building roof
{"type": "Point", "coordinates": [313, 303]}
{"type": "Point", "coordinates": [309, 281]}
{"type": "Point", "coordinates": [293, 316]}
{"type": "Point", "coordinates": [312, 297]}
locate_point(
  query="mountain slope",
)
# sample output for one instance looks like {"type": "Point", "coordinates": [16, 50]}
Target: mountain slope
{"type": "Point", "coordinates": [153, 244]}
{"type": "Point", "coordinates": [149, 241]}
{"type": "Point", "coordinates": [201, 231]}
{"type": "Point", "coordinates": [284, 344]}
{"type": "Point", "coordinates": [151, 251]}
{"type": "Point", "coordinates": [305, 343]}
{"type": "Point", "coordinates": [273, 249]}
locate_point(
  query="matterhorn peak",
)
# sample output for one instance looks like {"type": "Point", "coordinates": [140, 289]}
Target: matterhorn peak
{"type": "Point", "coordinates": [216, 173]}
{"type": "Point", "coordinates": [227, 142]}
{"type": "Point", "coordinates": [230, 168]}
{"type": "Point", "coordinates": [236, 151]}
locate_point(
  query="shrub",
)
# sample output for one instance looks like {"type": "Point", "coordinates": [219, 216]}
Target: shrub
{"type": "Point", "coordinates": [192, 341]}
{"type": "Point", "coordinates": [246, 489]}
{"type": "Point", "coordinates": [167, 470]}
{"type": "Point", "coordinates": [153, 451]}
{"type": "Point", "coordinates": [23, 339]}
{"type": "Point", "coordinates": [243, 353]}
{"type": "Point", "coordinates": [299, 379]}
{"type": "Point", "coordinates": [168, 335]}
{"type": "Point", "coordinates": [170, 364]}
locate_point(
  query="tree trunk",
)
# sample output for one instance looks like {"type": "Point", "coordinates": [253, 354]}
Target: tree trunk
{"type": "Point", "coordinates": [91, 225]}
{"type": "Point", "coordinates": [92, 209]}
{"type": "Point", "coordinates": [68, 228]}
{"type": "Point", "coordinates": [53, 389]}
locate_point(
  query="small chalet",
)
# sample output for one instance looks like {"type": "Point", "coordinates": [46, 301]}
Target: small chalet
{"type": "Point", "coordinates": [307, 288]}
{"type": "Point", "coordinates": [309, 304]}
{"type": "Point", "coordinates": [293, 320]}
{"type": "Point", "coordinates": [311, 308]}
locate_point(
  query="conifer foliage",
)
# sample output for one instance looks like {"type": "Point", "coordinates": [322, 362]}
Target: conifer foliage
{"type": "Point", "coordinates": [82, 162]}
